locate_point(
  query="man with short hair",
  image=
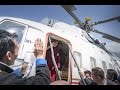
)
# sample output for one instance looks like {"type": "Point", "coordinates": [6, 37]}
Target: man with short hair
{"type": "Point", "coordinates": [8, 53]}
{"type": "Point", "coordinates": [88, 78]}
{"type": "Point", "coordinates": [99, 78]}
{"type": "Point", "coordinates": [112, 75]}
{"type": "Point", "coordinates": [87, 74]}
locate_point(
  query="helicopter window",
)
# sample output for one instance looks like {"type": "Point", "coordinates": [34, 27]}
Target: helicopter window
{"type": "Point", "coordinates": [110, 66]}
{"type": "Point", "coordinates": [78, 58]}
{"type": "Point", "coordinates": [14, 28]}
{"type": "Point", "coordinates": [93, 62]}
{"type": "Point", "coordinates": [104, 66]}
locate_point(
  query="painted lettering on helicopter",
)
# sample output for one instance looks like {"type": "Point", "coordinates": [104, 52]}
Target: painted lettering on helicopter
{"type": "Point", "coordinates": [28, 41]}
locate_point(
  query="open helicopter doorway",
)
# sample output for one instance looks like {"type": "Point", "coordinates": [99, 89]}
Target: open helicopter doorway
{"type": "Point", "coordinates": [57, 56]}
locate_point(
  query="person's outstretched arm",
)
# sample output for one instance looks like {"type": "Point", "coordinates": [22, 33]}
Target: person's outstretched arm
{"type": "Point", "coordinates": [42, 76]}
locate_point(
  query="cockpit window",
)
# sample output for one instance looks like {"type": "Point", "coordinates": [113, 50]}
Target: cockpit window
{"type": "Point", "coordinates": [14, 28]}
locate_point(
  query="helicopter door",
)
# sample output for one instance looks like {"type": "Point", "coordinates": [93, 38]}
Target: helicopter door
{"type": "Point", "coordinates": [58, 59]}
{"type": "Point", "coordinates": [53, 59]}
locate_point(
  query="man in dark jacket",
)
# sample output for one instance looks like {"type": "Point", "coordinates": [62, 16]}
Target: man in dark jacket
{"type": "Point", "coordinates": [99, 77]}
{"type": "Point", "coordinates": [112, 75]}
{"type": "Point", "coordinates": [88, 78]}
{"type": "Point", "coordinates": [8, 53]}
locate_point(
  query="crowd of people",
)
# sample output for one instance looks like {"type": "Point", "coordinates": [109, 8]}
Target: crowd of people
{"type": "Point", "coordinates": [8, 53]}
{"type": "Point", "coordinates": [97, 77]}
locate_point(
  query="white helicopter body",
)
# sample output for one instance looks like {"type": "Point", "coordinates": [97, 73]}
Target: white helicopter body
{"type": "Point", "coordinates": [86, 53]}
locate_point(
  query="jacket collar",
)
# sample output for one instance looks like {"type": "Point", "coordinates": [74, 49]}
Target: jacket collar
{"type": "Point", "coordinates": [6, 68]}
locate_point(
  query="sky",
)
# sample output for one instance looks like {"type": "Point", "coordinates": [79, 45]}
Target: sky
{"type": "Point", "coordinates": [95, 12]}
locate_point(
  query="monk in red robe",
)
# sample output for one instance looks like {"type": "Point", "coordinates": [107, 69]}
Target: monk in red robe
{"type": "Point", "coordinates": [49, 60]}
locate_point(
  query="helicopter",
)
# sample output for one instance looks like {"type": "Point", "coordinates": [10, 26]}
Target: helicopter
{"type": "Point", "coordinates": [88, 27]}
{"type": "Point", "coordinates": [81, 50]}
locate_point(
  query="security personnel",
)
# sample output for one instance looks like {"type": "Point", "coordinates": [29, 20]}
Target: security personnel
{"type": "Point", "coordinates": [8, 53]}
